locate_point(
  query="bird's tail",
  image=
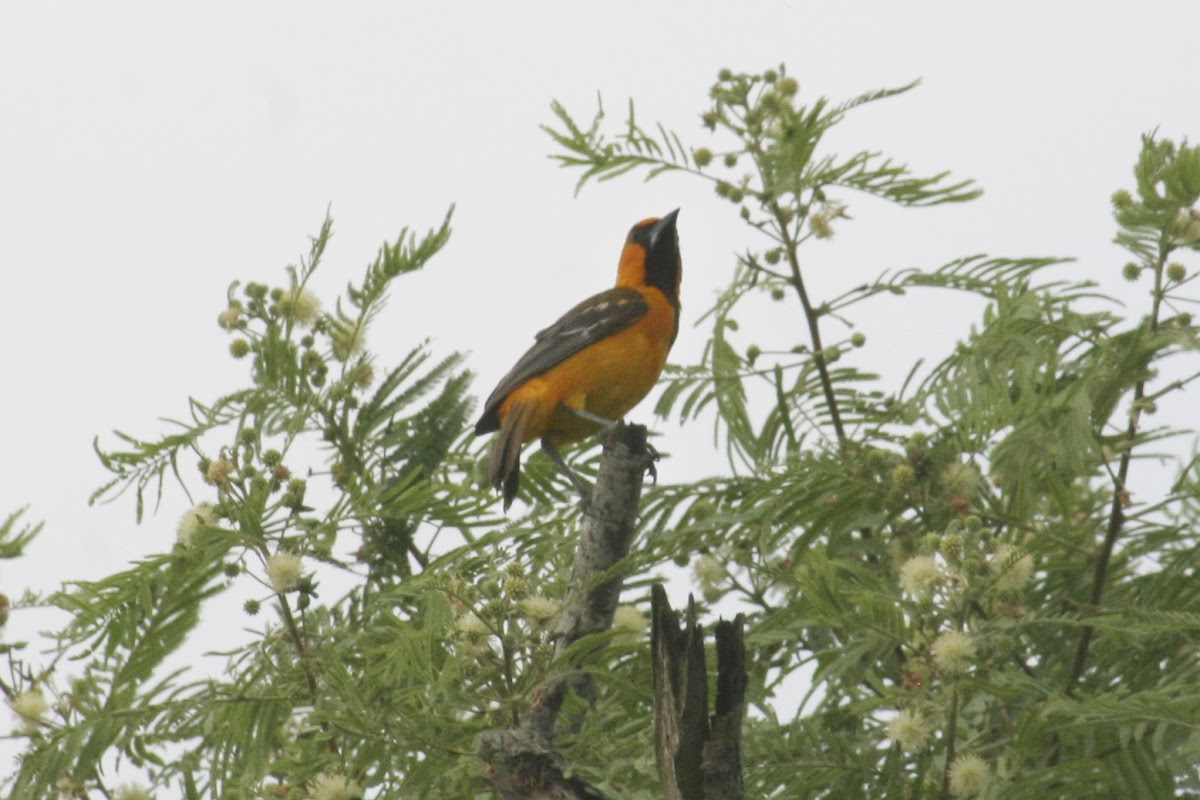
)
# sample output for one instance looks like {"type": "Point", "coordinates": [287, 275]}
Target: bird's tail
{"type": "Point", "coordinates": [505, 469]}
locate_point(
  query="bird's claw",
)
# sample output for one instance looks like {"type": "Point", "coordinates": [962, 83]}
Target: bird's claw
{"type": "Point", "coordinates": [651, 468]}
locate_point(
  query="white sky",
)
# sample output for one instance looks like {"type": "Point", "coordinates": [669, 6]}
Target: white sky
{"type": "Point", "coordinates": [151, 153]}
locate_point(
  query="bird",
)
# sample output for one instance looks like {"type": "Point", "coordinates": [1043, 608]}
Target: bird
{"type": "Point", "coordinates": [589, 369]}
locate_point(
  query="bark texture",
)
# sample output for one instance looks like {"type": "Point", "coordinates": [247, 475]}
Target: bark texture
{"type": "Point", "coordinates": [522, 761]}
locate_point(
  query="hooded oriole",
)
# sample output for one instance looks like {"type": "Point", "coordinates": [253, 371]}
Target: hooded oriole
{"type": "Point", "coordinates": [593, 365]}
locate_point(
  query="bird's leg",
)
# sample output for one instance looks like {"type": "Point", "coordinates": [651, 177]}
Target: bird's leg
{"type": "Point", "coordinates": [607, 425]}
{"type": "Point", "coordinates": [585, 491]}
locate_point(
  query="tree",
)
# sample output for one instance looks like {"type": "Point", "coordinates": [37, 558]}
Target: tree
{"type": "Point", "coordinates": [987, 609]}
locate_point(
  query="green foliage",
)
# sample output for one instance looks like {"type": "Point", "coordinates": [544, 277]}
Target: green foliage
{"type": "Point", "coordinates": [322, 453]}
{"type": "Point", "coordinates": [978, 568]}
{"type": "Point", "coordinates": [966, 548]}
{"type": "Point", "coordinates": [15, 536]}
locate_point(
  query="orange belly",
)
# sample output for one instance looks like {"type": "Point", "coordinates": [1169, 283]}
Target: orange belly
{"type": "Point", "coordinates": [608, 379]}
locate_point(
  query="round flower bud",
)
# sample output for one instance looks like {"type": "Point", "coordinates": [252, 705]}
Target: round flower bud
{"type": "Point", "coordinates": [909, 730]}
{"type": "Point", "coordinates": [818, 223]}
{"type": "Point", "coordinates": [961, 479]}
{"type": "Point", "coordinates": [1012, 571]}
{"type": "Point", "coordinates": [364, 377]}
{"type": "Point", "coordinates": [285, 569]}
{"type": "Point", "coordinates": [920, 576]}
{"type": "Point", "coordinates": [954, 652]}
{"type": "Point", "coordinates": [969, 776]}
{"type": "Point", "coordinates": [903, 475]}
{"type": "Point", "coordinates": [702, 156]}
{"type": "Point", "coordinates": [471, 625]}
{"type": "Point", "coordinates": [30, 707]}
{"type": "Point", "coordinates": [1131, 272]}
{"type": "Point", "coordinates": [709, 571]}
{"type": "Point", "coordinates": [334, 786]}
{"type": "Point", "coordinates": [1176, 272]}
{"type": "Point", "coordinates": [228, 319]}
{"type": "Point", "coordinates": [300, 305]}
{"type": "Point", "coordinates": [629, 618]}
{"type": "Point", "coordinates": [858, 339]}
{"type": "Point", "coordinates": [239, 348]}
{"type": "Point", "coordinates": [195, 518]}
{"type": "Point", "coordinates": [132, 791]}
{"type": "Point", "coordinates": [540, 610]}
{"type": "Point", "coordinates": [951, 545]}
{"type": "Point", "coordinates": [702, 510]}
{"type": "Point", "coordinates": [219, 471]}
{"type": "Point", "coordinates": [629, 622]}
{"type": "Point", "coordinates": [1187, 227]}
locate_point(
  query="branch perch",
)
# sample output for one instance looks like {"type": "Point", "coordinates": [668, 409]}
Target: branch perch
{"type": "Point", "coordinates": [522, 761]}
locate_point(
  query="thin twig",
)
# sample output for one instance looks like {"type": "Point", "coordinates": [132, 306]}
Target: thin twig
{"type": "Point", "coordinates": [303, 656]}
{"type": "Point", "coordinates": [814, 330]}
{"type": "Point", "coordinates": [1120, 498]}
{"type": "Point", "coordinates": [951, 728]}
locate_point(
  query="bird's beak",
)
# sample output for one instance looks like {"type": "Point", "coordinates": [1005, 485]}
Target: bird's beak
{"type": "Point", "coordinates": [663, 226]}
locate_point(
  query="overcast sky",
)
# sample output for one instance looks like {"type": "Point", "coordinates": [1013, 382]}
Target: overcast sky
{"type": "Point", "coordinates": [151, 153]}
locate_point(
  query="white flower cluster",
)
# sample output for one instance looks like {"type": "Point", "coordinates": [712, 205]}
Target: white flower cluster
{"type": "Point", "coordinates": [201, 516]}
{"type": "Point", "coordinates": [285, 569]}
{"type": "Point", "coordinates": [328, 786]}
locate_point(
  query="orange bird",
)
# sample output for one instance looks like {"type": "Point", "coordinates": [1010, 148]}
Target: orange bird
{"type": "Point", "coordinates": [592, 366]}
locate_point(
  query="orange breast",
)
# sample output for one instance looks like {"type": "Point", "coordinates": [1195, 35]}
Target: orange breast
{"type": "Point", "coordinates": [607, 378]}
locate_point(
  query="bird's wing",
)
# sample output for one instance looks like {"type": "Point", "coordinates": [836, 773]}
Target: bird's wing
{"type": "Point", "coordinates": [596, 318]}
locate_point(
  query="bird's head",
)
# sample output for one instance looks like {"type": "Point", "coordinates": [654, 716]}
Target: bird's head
{"type": "Point", "coordinates": [651, 256]}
